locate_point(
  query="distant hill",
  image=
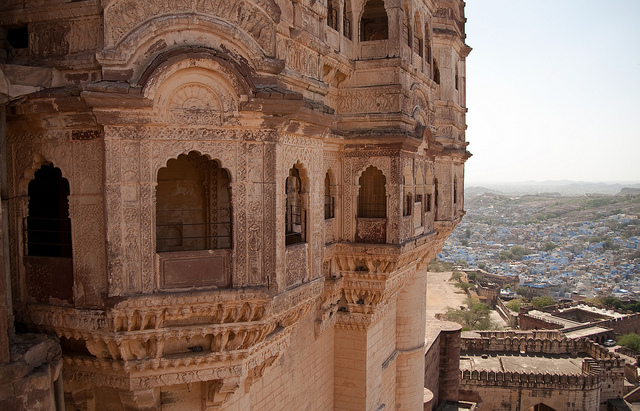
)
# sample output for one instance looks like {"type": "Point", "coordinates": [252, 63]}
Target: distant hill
{"type": "Point", "coordinates": [629, 190]}
{"type": "Point", "coordinates": [560, 187]}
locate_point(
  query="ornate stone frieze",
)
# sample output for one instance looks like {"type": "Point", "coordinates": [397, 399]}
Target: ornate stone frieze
{"type": "Point", "coordinates": [376, 100]}
{"type": "Point", "coordinates": [299, 58]}
{"type": "Point", "coordinates": [124, 16]}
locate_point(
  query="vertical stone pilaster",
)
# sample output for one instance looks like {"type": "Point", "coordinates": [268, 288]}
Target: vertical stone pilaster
{"type": "Point", "coordinates": [350, 368]}
{"type": "Point", "coordinates": [410, 337]}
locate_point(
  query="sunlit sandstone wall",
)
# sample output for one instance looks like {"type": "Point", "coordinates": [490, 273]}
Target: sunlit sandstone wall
{"type": "Point", "coordinates": [318, 300]}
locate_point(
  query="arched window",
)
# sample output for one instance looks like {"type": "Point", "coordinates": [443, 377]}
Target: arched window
{"type": "Point", "coordinates": [427, 44]}
{"type": "Point", "coordinates": [455, 190]}
{"type": "Point", "coordinates": [329, 201]}
{"type": "Point", "coordinates": [332, 14]}
{"type": "Point", "coordinates": [193, 205]}
{"type": "Point", "coordinates": [417, 35]}
{"type": "Point", "coordinates": [374, 24]}
{"type": "Point", "coordinates": [48, 223]}
{"type": "Point", "coordinates": [435, 198]}
{"type": "Point", "coordinates": [48, 259]}
{"type": "Point", "coordinates": [296, 214]}
{"type": "Point", "coordinates": [372, 197]}
{"type": "Point", "coordinates": [346, 20]}
{"type": "Point", "coordinates": [406, 25]}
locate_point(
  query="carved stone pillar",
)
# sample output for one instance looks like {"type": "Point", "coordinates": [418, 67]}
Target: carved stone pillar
{"type": "Point", "coordinates": [410, 336]}
{"type": "Point", "coordinates": [4, 319]}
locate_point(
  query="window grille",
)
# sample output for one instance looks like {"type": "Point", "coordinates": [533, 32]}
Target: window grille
{"type": "Point", "coordinates": [372, 198]}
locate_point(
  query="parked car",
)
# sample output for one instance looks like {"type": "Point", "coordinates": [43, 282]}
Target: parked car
{"type": "Point", "coordinates": [610, 343]}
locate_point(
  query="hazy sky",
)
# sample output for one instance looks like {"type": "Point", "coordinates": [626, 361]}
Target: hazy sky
{"type": "Point", "coordinates": [553, 90]}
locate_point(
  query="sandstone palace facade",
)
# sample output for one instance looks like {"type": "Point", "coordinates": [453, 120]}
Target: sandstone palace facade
{"type": "Point", "coordinates": [225, 204]}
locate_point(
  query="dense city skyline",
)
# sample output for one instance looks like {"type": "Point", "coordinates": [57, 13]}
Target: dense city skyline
{"type": "Point", "coordinates": [553, 90]}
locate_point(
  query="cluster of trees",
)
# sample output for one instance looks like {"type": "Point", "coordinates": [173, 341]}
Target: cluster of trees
{"type": "Point", "coordinates": [536, 302]}
{"type": "Point", "coordinates": [474, 317]}
{"type": "Point", "coordinates": [515, 253]}
{"type": "Point", "coordinates": [631, 341]}
{"type": "Point", "coordinates": [615, 303]}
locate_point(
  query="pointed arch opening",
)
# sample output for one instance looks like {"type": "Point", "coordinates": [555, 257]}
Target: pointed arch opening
{"type": "Point", "coordinates": [372, 196]}
{"type": "Point", "coordinates": [47, 233]}
{"type": "Point", "coordinates": [418, 44]}
{"type": "Point", "coordinates": [374, 24]}
{"type": "Point", "coordinates": [371, 224]}
{"type": "Point", "coordinates": [427, 44]}
{"type": "Point", "coordinates": [193, 223]}
{"type": "Point", "coordinates": [347, 20]}
{"type": "Point", "coordinates": [295, 207]}
{"type": "Point", "coordinates": [329, 198]}
{"type": "Point", "coordinates": [193, 205]}
{"type": "Point", "coordinates": [332, 14]}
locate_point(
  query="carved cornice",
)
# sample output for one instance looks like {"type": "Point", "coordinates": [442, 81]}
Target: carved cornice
{"type": "Point", "coordinates": [172, 338]}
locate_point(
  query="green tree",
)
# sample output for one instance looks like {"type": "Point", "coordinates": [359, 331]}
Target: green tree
{"type": "Point", "coordinates": [549, 245]}
{"type": "Point", "coordinates": [631, 341]}
{"type": "Point", "coordinates": [455, 276]}
{"type": "Point", "coordinates": [482, 265]}
{"type": "Point", "coordinates": [462, 262]}
{"type": "Point", "coordinates": [476, 317]}
{"type": "Point", "coordinates": [465, 286]}
{"type": "Point", "coordinates": [539, 302]}
{"type": "Point", "coordinates": [515, 304]}
{"type": "Point", "coordinates": [523, 291]}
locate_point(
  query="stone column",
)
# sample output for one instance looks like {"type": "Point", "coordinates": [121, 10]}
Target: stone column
{"type": "Point", "coordinates": [410, 343]}
{"type": "Point", "coordinates": [449, 362]}
{"type": "Point", "coordinates": [4, 290]}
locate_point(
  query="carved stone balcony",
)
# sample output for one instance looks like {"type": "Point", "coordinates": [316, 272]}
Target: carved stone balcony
{"type": "Point", "coordinates": [367, 277]}
{"type": "Point", "coordinates": [224, 335]}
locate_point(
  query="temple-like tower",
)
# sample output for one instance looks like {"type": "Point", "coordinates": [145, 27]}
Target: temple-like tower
{"type": "Point", "coordinates": [229, 204]}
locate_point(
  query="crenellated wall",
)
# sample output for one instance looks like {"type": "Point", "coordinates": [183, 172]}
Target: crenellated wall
{"type": "Point", "coordinates": [601, 377]}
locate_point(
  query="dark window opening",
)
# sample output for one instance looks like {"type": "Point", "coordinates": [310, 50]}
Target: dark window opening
{"type": "Point", "coordinates": [427, 44]}
{"type": "Point", "coordinates": [346, 20]}
{"type": "Point", "coordinates": [372, 197]}
{"type": "Point", "coordinates": [417, 35]}
{"type": "Point", "coordinates": [48, 227]}
{"type": "Point", "coordinates": [436, 72]}
{"type": "Point", "coordinates": [374, 24]}
{"type": "Point", "coordinates": [455, 191]}
{"type": "Point", "coordinates": [329, 202]}
{"type": "Point", "coordinates": [296, 215]}
{"type": "Point", "coordinates": [332, 15]}
{"type": "Point", "coordinates": [193, 205]}
{"type": "Point", "coordinates": [456, 79]}
{"type": "Point", "coordinates": [428, 204]}
{"type": "Point", "coordinates": [435, 198]}
{"type": "Point", "coordinates": [18, 38]}
{"type": "Point", "coordinates": [407, 205]}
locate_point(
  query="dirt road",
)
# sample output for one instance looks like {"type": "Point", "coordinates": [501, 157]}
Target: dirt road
{"type": "Point", "coordinates": [442, 294]}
